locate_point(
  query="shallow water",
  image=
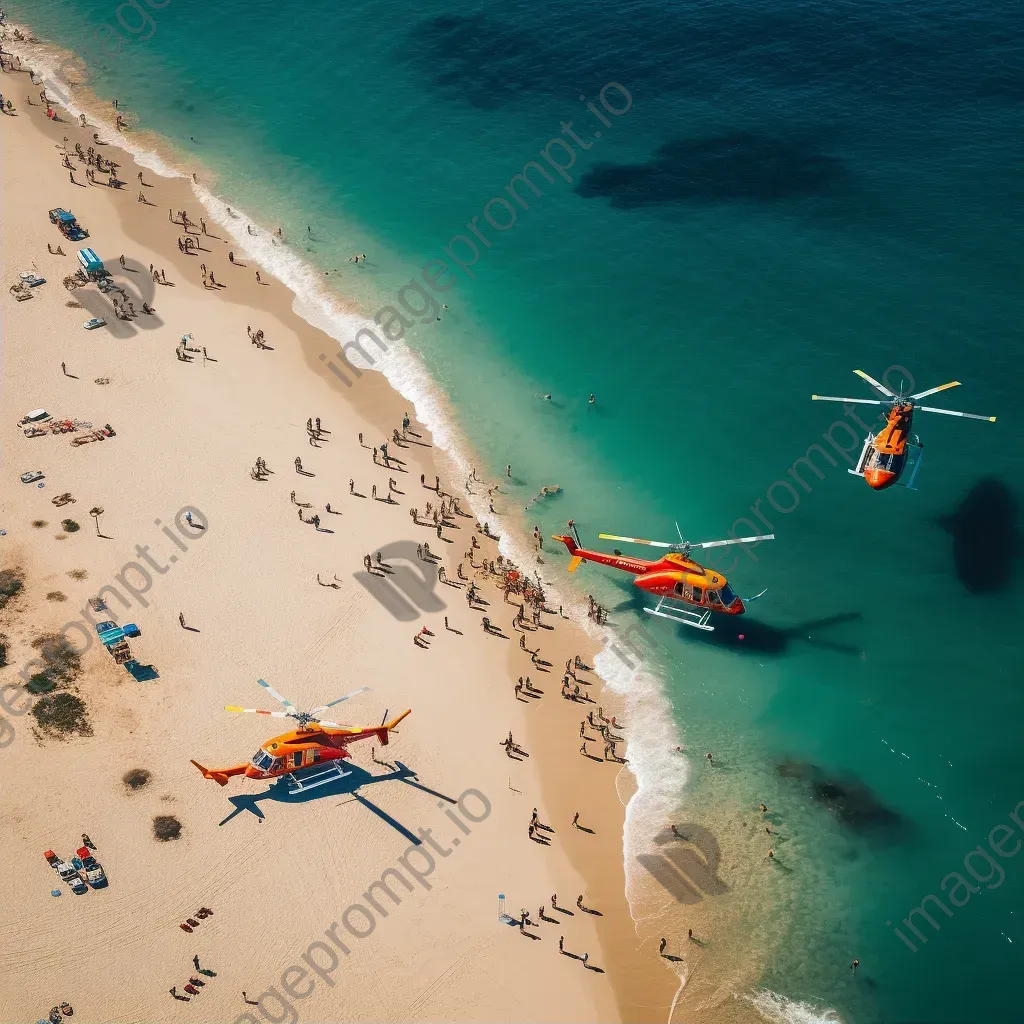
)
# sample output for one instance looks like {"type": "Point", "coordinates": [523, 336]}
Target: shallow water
{"type": "Point", "coordinates": [793, 192]}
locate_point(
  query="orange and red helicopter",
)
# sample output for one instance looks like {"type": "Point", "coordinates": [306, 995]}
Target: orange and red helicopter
{"type": "Point", "coordinates": [894, 449]}
{"type": "Point", "coordinates": [315, 743]}
{"type": "Point", "coordinates": [675, 579]}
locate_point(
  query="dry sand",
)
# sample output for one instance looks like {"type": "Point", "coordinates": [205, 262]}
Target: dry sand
{"type": "Point", "coordinates": [278, 871]}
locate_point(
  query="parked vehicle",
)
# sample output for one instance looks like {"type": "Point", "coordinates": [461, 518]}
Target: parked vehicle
{"type": "Point", "coordinates": [68, 225]}
{"type": "Point", "coordinates": [112, 637]}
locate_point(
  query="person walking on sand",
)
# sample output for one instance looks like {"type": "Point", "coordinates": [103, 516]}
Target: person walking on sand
{"type": "Point", "coordinates": [576, 820]}
{"type": "Point", "coordinates": [181, 619]}
{"type": "Point", "coordinates": [561, 943]}
{"type": "Point", "coordinates": [661, 948]}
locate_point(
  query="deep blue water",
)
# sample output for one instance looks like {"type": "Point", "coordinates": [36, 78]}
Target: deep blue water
{"type": "Point", "coordinates": [795, 191]}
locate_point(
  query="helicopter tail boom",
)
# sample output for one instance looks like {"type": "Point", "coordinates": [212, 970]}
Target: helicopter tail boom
{"type": "Point", "coordinates": [384, 730]}
{"type": "Point", "coordinates": [220, 775]}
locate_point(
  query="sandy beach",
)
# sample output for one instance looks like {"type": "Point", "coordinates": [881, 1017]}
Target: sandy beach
{"type": "Point", "coordinates": [297, 923]}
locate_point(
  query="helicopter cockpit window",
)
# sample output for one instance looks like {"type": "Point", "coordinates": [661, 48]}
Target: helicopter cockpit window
{"type": "Point", "coordinates": [728, 596]}
{"type": "Point", "coordinates": [277, 763]}
{"type": "Point", "coordinates": [262, 760]}
{"type": "Point", "coordinates": [713, 597]}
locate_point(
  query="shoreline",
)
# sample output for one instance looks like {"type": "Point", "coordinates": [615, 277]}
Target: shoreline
{"type": "Point", "coordinates": [376, 403]}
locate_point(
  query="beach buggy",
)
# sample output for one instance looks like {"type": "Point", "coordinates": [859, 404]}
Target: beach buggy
{"type": "Point", "coordinates": [113, 636]}
{"type": "Point", "coordinates": [68, 225]}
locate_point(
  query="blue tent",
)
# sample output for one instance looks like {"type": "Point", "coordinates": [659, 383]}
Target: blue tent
{"type": "Point", "coordinates": [89, 260]}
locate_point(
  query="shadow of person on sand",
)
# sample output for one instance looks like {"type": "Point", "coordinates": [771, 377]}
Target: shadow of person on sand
{"type": "Point", "coordinates": [280, 792]}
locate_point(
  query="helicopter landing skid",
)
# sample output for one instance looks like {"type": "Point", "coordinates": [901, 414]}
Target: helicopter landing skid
{"type": "Point", "coordinates": [330, 773]}
{"type": "Point", "coordinates": [698, 620]}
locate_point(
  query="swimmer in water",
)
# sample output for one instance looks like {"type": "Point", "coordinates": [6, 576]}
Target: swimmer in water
{"type": "Point", "coordinates": [592, 400]}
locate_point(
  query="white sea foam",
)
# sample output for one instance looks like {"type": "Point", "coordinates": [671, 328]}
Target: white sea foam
{"type": "Point", "coordinates": [780, 1010]}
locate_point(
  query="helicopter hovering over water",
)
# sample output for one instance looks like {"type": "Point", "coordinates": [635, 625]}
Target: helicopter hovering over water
{"type": "Point", "coordinates": [894, 449]}
{"type": "Point", "coordinates": [675, 579]}
{"type": "Point", "coordinates": [314, 744]}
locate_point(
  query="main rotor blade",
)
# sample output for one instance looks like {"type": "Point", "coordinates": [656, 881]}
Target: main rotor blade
{"type": "Point", "coordinates": [738, 540]}
{"type": "Point", "coordinates": [935, 391]}
{"type": "Point", "coordinates": [273, 693]}
{"type": "Point", "coordinates": [258, 711]}
{"type": "Point", "coordinates": [874, 383]}
{"type": "Point", "coordinates": [952, 412]}
{"type": "Point", "coordinates": [354, 693]}
{"type": "Point", "coordinates": [856, 401]}
{"type": "Point", "coordinates": [637, 540]}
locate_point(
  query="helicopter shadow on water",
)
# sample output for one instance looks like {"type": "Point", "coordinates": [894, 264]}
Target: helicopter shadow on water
{"type": "Point", "coordinates": [986, 537]}
{"type": "Point", "coordinates": [758, 637]}
{"type": "Point", "coordinates": [280, 792]}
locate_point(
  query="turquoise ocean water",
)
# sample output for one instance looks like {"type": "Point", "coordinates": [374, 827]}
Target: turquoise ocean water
{"type": "Point", "coordinates": [795, 191]}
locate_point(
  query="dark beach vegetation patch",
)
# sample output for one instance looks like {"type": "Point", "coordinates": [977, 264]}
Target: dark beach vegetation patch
{"type": "Point", "coordinates": [56, 595]}
{"type": "Point", "coordinates": [70, 526]}
{"type": "Point", "coordinates": [38, 524]}
{"type": "Point", "coordinates": [61, 715]}
{"type": "Point", "coordinates": [5, 646]}
{"type": "Point", "coordinates": [11, 583]}
{"type": "Point", "coordinates": [166, 827]}
{"type": "Point", "coordinates": [63, 664]}
{"type": "Point", "coordinates": [78, 574]}
{"type": "Point", "coordinates": [136, 778]}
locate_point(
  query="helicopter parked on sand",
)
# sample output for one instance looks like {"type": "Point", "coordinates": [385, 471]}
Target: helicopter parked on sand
{"type": "Point", "coordinates": [315, 744]}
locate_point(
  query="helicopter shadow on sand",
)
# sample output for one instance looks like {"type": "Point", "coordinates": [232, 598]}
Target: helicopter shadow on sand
{"type": "Point", "coordinates": [356, 779]}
